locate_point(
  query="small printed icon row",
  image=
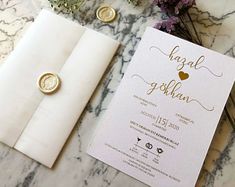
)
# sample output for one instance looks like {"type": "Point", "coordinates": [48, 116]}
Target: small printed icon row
{"type": "Point", "coordinates": [150, 146]}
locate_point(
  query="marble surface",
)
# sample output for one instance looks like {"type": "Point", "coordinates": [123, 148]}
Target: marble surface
{"type": "Point", "coordinates": [214, 18]}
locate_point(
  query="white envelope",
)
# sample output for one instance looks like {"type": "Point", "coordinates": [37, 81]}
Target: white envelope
{"type": "Point", "coordinates": [37, 124]}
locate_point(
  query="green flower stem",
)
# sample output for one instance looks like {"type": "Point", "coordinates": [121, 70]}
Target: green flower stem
{"type": "Point", "coordinates": [74, 5]}
{"type": "Point", "coordinates": [134, 2]}
{"type": "Point", "coordinates": [67, 5]}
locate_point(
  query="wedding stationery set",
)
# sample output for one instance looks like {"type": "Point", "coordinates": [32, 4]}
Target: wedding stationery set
{"type": "Point", "coordinates": [163, 116]}
{"type": "Point", "coordinates": [55, 55]}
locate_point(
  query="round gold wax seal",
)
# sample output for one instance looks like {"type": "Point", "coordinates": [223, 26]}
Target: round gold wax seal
{"type": "Point", "coordinates": [106, 13]}
{"type": "Point", "coordinates": [48, 83]}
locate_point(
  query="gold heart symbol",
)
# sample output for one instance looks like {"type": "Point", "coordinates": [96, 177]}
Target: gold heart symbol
{"type": "Point", "coordinates": [183, 76]}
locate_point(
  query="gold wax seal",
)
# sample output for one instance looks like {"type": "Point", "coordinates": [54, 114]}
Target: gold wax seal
{"type": "Point", "coordinates": [106, 14]}
{"type": "Point", "coordinates": [48, 83]}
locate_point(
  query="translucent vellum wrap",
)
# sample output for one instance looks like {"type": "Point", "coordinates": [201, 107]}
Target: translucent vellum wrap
{"type": "Point", "coordinates": [37, 124]}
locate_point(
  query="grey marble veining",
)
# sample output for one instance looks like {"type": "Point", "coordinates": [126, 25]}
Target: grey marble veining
{"type": "Point", "coordinates": [215, 21]}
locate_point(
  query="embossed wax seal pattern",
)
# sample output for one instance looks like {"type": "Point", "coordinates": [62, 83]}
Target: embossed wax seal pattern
{"type": "Point", "coordinates": [106, 14]}
{"type": "Point", "coordinates": [48, 83]}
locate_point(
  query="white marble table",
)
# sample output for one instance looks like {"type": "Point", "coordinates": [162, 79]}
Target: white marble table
{"type": "Point", "coordinates": [216, 20]}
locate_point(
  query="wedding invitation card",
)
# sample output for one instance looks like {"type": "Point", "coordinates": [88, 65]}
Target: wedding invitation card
{"type": "Point", "coordinates": [38, 124]}
{"type": "Point", "coordinates": [162, 119]}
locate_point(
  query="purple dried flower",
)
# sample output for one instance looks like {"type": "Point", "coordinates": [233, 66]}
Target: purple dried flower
{"type": "Point", "coordinates": [167, 25]}
{"type": "Point", "coordinates": [174, 7]}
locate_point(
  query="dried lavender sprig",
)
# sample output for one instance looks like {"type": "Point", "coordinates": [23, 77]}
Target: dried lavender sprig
{"type": "Point", "coordinates": [174, 7]}
{"type": "Point", "coordinates": [178, 9]}
{"type": "Point", "coordinates": [194, 28]}
{"type": "Point", "coordinates": [168, 25]}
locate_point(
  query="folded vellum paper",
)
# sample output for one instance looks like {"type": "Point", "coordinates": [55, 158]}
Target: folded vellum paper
{"type": "Point", "coordinates": [37, 124]}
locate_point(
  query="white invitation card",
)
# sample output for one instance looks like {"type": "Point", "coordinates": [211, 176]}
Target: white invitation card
{"type": "Point", "coordinates": [160, 124]}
